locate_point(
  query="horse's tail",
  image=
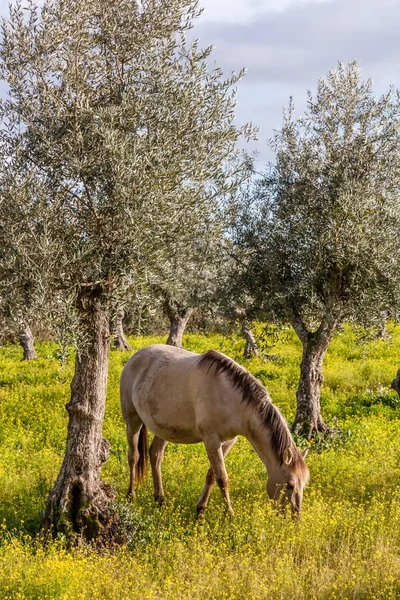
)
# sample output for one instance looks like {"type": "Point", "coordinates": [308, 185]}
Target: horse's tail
{"type": "Point", "coordinates": [143, 448]}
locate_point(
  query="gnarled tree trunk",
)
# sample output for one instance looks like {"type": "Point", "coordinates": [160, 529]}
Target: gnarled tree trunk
{"type": "Point", "coordinates": [250, 348]}
{"type": "Point", "coordinates": [315, 344]}
{"type": "Point", "coordinates": [120, 340]}
{"type": "Point", "coordinates": [395, 385]}
{"type": "Point", "coordinates": [308, 414]}
{"type": "Point", "coordinates": [383, 333]}
{"type": "Point", "coordinates": [27, 342]}
{"type": "Point", "coordinates": [178, 320]}
{"type": "Point", "coordinates": [79, 501]}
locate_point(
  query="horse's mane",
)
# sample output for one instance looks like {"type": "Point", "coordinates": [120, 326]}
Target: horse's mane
{"type": "Point", "coordinates": [254, 394]}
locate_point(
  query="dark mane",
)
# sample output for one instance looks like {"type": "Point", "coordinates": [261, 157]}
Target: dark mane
{"type": "Point", "coordinates": [254, 394]}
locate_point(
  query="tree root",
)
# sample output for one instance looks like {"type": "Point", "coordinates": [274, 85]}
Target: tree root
{"type": "Point", "coordinates": [78, 520]}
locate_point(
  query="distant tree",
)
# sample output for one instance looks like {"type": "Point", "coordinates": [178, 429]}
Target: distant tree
{"type": "Point", "coordinates": [22, 272]}
{"type": "Point", "coordinates": [188, 275]}
{"type": "Point", "coordinates": [27, 342]}
{"type": "Point", "coordinates": [131, 132]}
{"type": "Point", "coordinates": [178, 317]}
{"type": "Point", "coordinates": [230, 297]}
{"type": "Point", "coordinates": [120, 341]}
{"type": "Point", "coordinates": [320, 230]}
{"type": "Point", "coordinates": [251, 347]}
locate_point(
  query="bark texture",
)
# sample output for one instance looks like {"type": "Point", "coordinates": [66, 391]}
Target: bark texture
{"type": "Point", "coordinates": [27, 342]}
{"type": "Point", "coordinates": [308, 414]}
{"type": "Point", "coordinates": [315, 344]}
{"type": "Point", "coordinates": [178, 320]}
{"type": "Point", "coordinates": [250, 348]}
{"type": "Point", "coordinates": [78, 503]}
{"type": "Point", "coordinates": [383, 333]}
{"type": "Point", "coordinates": [120, 340]}
{"type": "Point", "coordinates": [395, 385]}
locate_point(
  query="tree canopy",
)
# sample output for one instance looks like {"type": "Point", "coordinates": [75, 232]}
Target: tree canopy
{"type": "Point", "coordinates": [321, 226]}
{"type": "Point", "coordinates": [132, 131]}
{"type": "Point", "coordinates": [132, 139]}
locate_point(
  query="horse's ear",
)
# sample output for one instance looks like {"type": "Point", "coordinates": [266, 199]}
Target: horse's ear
{"type": "Point", "coordinates": [304, 453]}
{"type": "Point", "coordinates": [288, 456]}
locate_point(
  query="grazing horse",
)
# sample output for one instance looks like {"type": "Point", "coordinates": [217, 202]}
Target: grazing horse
{"type": "Point", "coordinates": [187, 398]}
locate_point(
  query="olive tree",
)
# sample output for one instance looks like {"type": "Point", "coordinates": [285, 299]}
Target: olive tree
{"type": "Point", "coordinates": [22, 273]}
{"type": "Point", "coordinates": [321, 230]}
{"type": "Point", "coordinates": [231, 298]}
{"type": "Point", "coordinates": [188, 276]}
{"type": "Point", "coordinates": [130, 130]}
{"type": "Point", "coordinates": [120, 342]}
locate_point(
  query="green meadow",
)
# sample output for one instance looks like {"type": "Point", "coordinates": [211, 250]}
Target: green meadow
{"type": "Point", "coordinates": [346, 545]}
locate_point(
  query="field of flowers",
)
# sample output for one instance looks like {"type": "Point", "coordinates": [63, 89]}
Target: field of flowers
{"type": "Point", "coordinates": [347, 544]}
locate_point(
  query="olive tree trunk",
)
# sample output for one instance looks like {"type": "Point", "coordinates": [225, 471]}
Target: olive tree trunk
{"type": "Point", "coordinates": [178, 320]}
{"type": "Point", "coordinates": [27, 342]}
{"type": "Point", "coordinates": [315, 344]}
{"type": "Point", "coordinates": [250, 348]}
{"type": "Point", "coordinates": [395, 385]}
{"type": "Point", "coordinates": [382, 333]}
{"type": "Point", "coordinates": [79, 501]}
{"type": "Point", "coordinates": [308, 414]}
{"type": "Point", "coordinates": [120, 340]}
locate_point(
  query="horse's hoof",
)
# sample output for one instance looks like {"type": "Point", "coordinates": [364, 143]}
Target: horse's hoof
{"type": "Point", "coordinates": [131, 497]}
{"type": "Point", "coordinates": [200, 510]}
{"type": "Point", "coordinates": [160, 500]}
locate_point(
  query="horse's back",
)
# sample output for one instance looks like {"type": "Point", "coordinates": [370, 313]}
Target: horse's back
{"type": "Point", "coordinates": [174, 397]}
{"type": "Point", "coordinates": [159, 383]}
{"type": "Point", "coordinates": [155, 362]}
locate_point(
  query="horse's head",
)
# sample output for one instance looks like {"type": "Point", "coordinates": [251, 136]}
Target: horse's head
{"type": "Point", "coordinates": [287, 481]}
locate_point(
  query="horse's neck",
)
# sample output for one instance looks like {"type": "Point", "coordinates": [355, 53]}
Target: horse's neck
{"type": "Point", "coordinates": [259, 437]}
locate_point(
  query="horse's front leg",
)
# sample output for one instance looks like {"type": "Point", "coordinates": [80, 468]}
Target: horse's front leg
{"type": "Point", "coordinates": [216, 457]}
{"type": "Point", "coordinates": [210, 480]}
{"type": "Point", "coordinates": [156, 452]}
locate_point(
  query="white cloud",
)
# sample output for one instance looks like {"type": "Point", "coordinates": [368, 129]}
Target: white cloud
{"type": "Point", "coordinates": [239, 11]}
{"type": "Point", "coordinates": [286, 51]}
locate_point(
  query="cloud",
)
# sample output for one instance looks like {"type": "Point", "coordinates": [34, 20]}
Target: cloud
{"type": "Point", "coordinates": [287, 51]}
{"type": "Point", "coordinates": [301, 43]}
{"type": "Point", "coordinates": [240, 11]}
{"type": "Point", "coordinates": [287, 45]}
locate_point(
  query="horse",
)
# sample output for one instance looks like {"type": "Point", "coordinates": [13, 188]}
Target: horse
{"type": "Point", "coordinates": [187, 398]}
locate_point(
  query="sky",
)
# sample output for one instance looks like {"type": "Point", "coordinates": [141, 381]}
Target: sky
{"type": "Point", "coordinates": [287, 45]}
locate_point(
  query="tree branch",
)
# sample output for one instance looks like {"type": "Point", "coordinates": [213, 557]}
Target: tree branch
{"type": "Point", "coordinates": [298, 323]}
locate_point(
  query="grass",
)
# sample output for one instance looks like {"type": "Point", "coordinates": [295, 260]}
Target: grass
{"type": "Point", "coordinates": [347, 544]}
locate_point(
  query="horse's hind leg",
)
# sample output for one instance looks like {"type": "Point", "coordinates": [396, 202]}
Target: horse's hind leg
{"type": "Point", "coordinates": [132, 434]}
{"type": "Point", "coordinates": [217, 471]}
{"type": "Point", "coordinates": [156, 451]}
